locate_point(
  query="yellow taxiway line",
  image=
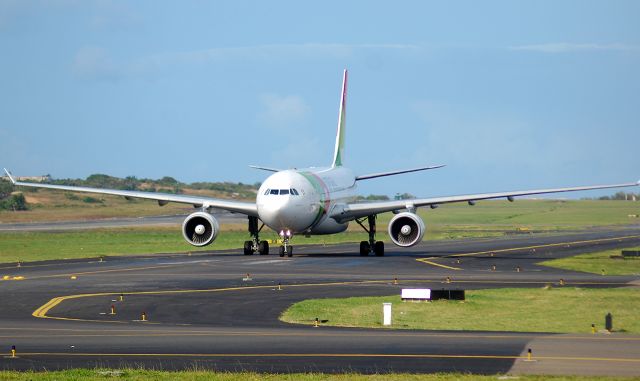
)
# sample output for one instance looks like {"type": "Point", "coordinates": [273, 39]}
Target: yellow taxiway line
{"type": "Point", "coordinates": [546, 245]}
{"type": "Point", "coordinates": [428, 260]}
{"type": "Point", "coordinates": [42, 311]}
{"type": "Point", "coordinates": [378, 333]}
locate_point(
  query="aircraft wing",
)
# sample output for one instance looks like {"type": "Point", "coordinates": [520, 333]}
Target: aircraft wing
{"type": "Point", "coordinates": [248, 208]}
{"type": "Point", "coordinates": [356, 210]}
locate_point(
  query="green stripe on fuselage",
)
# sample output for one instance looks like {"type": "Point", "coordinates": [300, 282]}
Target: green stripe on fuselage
{"type": "Point", "coordinates": [322, 190]}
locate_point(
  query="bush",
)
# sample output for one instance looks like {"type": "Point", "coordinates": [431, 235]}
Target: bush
{"type": "Point", "coordinates": [91, 200]}
{"type": "Point", "coordinates": [15, 202]}
{"type": "Point", "coordinates": [5, 189]}
{"type": "Point", "coordinates": [71, 196]}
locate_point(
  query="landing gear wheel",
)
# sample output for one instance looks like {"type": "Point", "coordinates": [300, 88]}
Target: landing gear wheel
{"type": "Point", "coordinates": [263, 248]}
{"type": "Point", "coordinates": [248, 250]}
{"type": "Point", "coordinates": [378, 248]}
{"type": "Point", "coordinates": [282, 251]}
{"type": "Point", "coordinates": [364, 248]}
{"type": "Point", "coordinates": [289, 251]}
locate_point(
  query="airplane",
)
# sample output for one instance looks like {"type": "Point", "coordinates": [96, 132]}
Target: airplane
{"type": "Point", "coordinates": [313, 201]}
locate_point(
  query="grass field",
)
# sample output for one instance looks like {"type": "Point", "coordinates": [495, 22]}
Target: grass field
{"type": "Point", "coordinates": [487, 219]}
{"type": "Point", "coordinates": [40, 246]}
{"type": "Point", "coordinates": [522, 310]}
{"type": "Point", "coordinates": [139, 375]}
{"type": "Point", "coordinates": [597, 262]}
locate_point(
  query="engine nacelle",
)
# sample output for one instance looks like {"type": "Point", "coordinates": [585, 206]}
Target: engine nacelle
{"type": "Point", "coordinates": [406, 229]}
{"type": "Point", "coordinates": [200, 229]}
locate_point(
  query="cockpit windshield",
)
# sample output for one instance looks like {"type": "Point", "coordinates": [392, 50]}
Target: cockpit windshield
{"type": "Point", "coordinates": [291, 191]}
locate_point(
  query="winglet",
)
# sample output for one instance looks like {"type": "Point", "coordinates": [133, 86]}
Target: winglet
{"type": "Point", "coordinates": [9, 175]}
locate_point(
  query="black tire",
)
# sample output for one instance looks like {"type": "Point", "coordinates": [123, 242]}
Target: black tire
{"type": "Point", "coordinates": [289, 251]}
{"type": "Point", "coordinates": [263, 248]}
{"type": "Point", "coordinates": [364, 248]}
{"type": "Point", "coordinates": [282, 251]}
{"type": "Point", "coordinates": [247, 248]}
{"type": "Point", "coordinates": [378, 248]}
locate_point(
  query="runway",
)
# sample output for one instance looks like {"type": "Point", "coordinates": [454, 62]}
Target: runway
{"type": "Point", "coordinates": [219, 310]}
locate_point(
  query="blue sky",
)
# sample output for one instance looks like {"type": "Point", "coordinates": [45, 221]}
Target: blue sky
{"type": "Point", "coordinates": [510, 95]}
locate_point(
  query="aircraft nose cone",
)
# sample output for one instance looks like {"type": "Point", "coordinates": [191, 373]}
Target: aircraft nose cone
{"type": "Point", "coordinates": [285, 214]}
{"type": "Point", "coordinates": [275, 213]}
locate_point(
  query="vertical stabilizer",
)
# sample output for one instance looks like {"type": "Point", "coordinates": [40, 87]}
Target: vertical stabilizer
{"type": "Point", "coordinates": [338, 154]}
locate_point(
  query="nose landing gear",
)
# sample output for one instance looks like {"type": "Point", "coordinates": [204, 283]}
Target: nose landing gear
{"type": "Point", "coordinates": [286, 249]}
{"type": "Point", "coordinates": [255, 245]}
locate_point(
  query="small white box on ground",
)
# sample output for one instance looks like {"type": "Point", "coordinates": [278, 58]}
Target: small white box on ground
{"type": "Point", "coordinates": [386, 311]}
{"type": "Point", "coordinates": [416, 294]}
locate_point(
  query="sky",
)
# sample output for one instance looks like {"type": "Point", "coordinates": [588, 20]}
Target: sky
{"type": "Point", "coordinates": [508, 94]}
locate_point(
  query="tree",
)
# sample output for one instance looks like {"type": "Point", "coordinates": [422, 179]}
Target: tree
{"type": "Point", "coordinates": [15, 202]}
{"type": "Point", "coordinates": [404, 196]}
{"type": "Point", "coordinates": [5, 189]}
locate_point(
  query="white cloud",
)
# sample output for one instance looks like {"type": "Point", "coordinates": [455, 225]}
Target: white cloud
{"type": "Point", "coordinates": [283, 112]}
{"type": "Point", "coordinates": [298, 152]}
{"type": "Point", "coordinates": [564, 47]}
{"type": "Point", "coordinates": [95, 63]}
{"type": "Point", "coordinates": [275, 51]}
{"type": "Point", "coordinates": [455, 134]}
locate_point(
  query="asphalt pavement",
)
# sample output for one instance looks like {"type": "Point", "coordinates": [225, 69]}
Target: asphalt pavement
{"type": "Point", "coordinates": [219, 310]}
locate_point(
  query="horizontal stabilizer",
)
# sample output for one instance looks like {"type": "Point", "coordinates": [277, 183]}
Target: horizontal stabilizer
{"type": "Point", "coordinates": [265, 168]}
{"type": "Point", "coordinates": [9, 175]}
{"type": "Point", "coordinates": [382, 174]}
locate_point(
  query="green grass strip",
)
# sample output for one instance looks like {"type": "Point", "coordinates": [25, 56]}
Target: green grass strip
{"type": "Point", "coordinates": [598, 262]}
{"type": "Point", "coordinates": [522, 310]}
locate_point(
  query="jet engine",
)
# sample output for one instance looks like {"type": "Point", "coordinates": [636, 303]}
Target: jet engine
{"type": "Point", "coordinates": [200, 229]}
{"type": "Point", "coordinates": [406, 229]}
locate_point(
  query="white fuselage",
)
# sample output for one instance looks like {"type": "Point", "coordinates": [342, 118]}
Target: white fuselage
{"type": "Point", "coordinates": [301, 200]}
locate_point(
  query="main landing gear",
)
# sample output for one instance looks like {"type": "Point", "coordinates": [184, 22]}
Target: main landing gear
{"type": "Point", "coordinates": [255, 245]}
{"type": "Point", "coordinates": [371, 246]}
